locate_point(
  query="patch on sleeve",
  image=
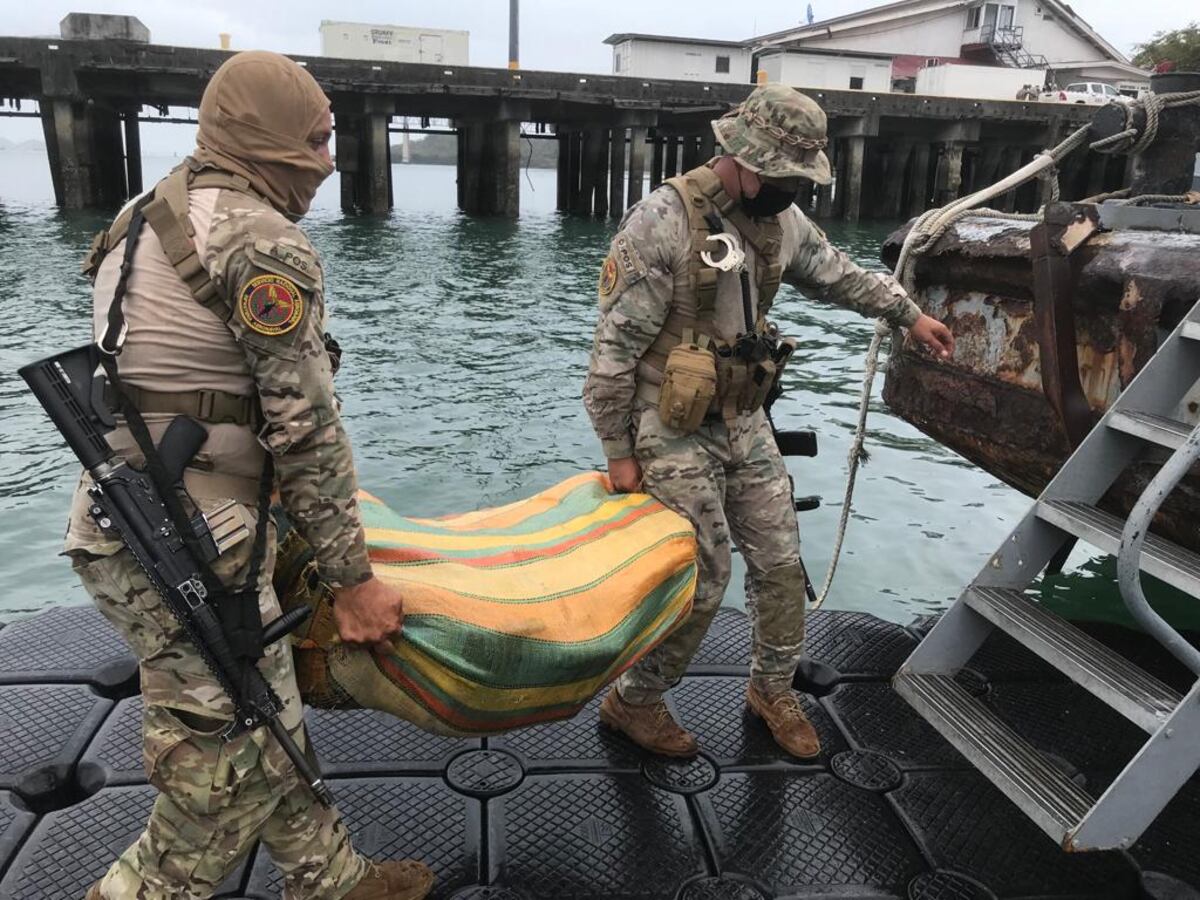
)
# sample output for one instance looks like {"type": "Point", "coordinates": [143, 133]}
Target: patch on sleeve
{"type": "Point", "coordinates": [271, 304]}
{"type": "Point", "coordinates": [608, 276]}
{"type": "Point", "coordinates": [629, 261]}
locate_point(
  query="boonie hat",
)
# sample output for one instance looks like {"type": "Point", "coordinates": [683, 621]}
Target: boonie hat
{"type": "Point", "coordinates": [777, 132]}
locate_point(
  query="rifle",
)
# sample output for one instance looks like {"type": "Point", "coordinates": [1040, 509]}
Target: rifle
{"type": "Point", "coordinates": [128, 501]}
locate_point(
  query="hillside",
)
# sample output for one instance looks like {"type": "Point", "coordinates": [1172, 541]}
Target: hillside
{"type": "Point", "coordinates": [442, 149]}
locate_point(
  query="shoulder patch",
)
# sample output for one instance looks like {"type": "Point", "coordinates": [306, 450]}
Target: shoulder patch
{"type": "Point", "coordinates": [292, 262]}
{"type": "Point", "coordinates": [271, 304]}
{"type": "Point", "coordinates": [608, 276]}
{"type": "Point", "coordinates": [628, 260]}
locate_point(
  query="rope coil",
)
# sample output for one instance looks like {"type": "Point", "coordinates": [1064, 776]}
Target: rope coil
{"type": "Point", "coordinates": [932, 224]}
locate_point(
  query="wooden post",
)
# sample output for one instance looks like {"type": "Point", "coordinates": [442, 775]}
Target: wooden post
{"type": "Point", "coordinates": [637, 164]}
{"type": "Point", "coordinates": [616, 174]}
{"type": "Point", "coordinates": [918, 199]}
{"type": "Point", "coordinates": [590, 156]}
{"type": "Point", "coordinates": [855, 149]}
{"type": "Point", "coordinates": [893, 179]}
{"type": "Point", "coordinates": [563, 167]}
{"type": "Point", "coordinates": [656, 161]}
{"type": "Point", "coordinates": [950, 173]}
{"type": "Point", "coordinates": [671, 166]}
{"type": "Point", "coordinates": [470, 172]}
{"type": "Point", "coordinates": [987, 167]}
{"type": "Point", "coordinates": [708, 146]}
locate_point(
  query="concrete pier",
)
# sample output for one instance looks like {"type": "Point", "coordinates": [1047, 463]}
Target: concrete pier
{"type": "Point", "coordinates": [885, 144]}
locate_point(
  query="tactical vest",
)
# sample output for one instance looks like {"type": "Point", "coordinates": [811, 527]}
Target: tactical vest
{"type": "Point", "coordinates": [691, 317]}
{"type": "Point", "coordinates": [167, 216]}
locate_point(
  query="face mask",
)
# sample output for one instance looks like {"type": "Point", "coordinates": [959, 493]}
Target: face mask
{"type": "Point", "coordinates": [769, 201]}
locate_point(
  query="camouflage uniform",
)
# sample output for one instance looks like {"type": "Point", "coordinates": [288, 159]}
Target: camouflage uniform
{"type": "Point", "coordinates": [217, 798]}
{"type": "Point", "coordinates": [728, 477]}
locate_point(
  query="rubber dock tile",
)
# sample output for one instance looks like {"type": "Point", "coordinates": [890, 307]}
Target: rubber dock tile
{"type": "Point", "coordinates": [1169, 844]}
{"type": "Point", "coordinates": [15, 823]}
{"type": "Point", "coordinates": [714, 707]}
{"type": "Point", "coordinates": [874, 717]}
{"type": "Point", "coordinates": [67, 644]}
{"type": "Point", "coordinates": [367, 742]}
{"type": "Point", "coordinates": [73, 847]}
{"type": "Point", "coordinates": [1003, 658]}
{"type": "Point", "coordinates": [966, 825]}
{"type": "Point", "coordinates": [43, 731]}
{"type": "Point", "coordinates": [399, 818]}
{"type": "Point", "coordinates": [808, 834]}
{"type": "Point", "coordinates": [586, 837]}
{"type": "Point", "coordinates": [1064, 720]}
{"type": "Point", "coordinates": [578, 743]}
{"type": "Point", "coordinates": [114, 756]}
{"type": "Point", "coordinates": [725, 649]}
{"type": "Point", "coordinates": [858, 645]}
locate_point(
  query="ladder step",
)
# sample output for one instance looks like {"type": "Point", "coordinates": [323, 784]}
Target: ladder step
{"type": "Point", "coordinates": [1010, 762]}
{"type": "Point", "coordinates": [1191, 330]}
{"type": "Point", "coordinates": [1161, 558]}
{"type": "Point", "coordinates": [1137, 695]}
{"type": "Point", "coordinates": [1157, 429]}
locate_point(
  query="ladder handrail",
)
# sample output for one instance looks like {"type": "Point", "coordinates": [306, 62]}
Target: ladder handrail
{"type": "Point", "coordinates": [1129, 573]}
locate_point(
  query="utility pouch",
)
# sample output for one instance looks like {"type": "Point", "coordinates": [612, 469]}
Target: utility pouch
{"type": "Point", "coordinates": [689, 385]}
{"type": "Point", "coordinates": [781, 356]}
{"type": "Point", "coordinates": [758, 384]}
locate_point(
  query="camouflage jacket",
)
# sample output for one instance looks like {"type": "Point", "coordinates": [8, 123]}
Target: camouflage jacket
{"type": "Point", "coordinates": [267, 337]}
{"type": "Point", "coordinates": [651, 251]}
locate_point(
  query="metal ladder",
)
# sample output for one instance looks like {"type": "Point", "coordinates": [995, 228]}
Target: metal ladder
{"type": "Point", "coordinates": [1067, 509]}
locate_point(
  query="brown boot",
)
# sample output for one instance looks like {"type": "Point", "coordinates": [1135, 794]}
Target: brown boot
{"type": "Point", "coordinates": [93, 892]}
{"type": "Point", "coordinates": [785, 717]}
{"type": "Point", "coordinates": [651, 727]}
{"type": "Point", "coordinates": [404, 879]}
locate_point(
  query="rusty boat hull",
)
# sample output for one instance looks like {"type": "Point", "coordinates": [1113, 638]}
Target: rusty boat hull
{"type": "Point", "coordinates": [989, 403]}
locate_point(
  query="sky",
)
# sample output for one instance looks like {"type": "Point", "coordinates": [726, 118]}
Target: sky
{"type": "Point", "coordinates": [566, 35]}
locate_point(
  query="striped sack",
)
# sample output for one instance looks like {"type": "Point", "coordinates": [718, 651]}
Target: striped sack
{"type": "Point", "coordinates": [513, 616]}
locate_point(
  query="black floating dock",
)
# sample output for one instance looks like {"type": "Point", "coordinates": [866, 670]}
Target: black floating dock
{"type": "Point", "coordinates": [570, 811]}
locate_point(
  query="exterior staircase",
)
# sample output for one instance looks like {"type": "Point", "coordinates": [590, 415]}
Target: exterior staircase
{"type": "Point", "coordinates": [1067, 510]}
{"type": "Point", "coordinates": [1008, 46]}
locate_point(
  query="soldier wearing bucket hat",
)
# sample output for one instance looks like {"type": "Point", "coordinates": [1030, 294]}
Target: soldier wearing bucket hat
{"type": "Point", "coordinates": [683, 359]}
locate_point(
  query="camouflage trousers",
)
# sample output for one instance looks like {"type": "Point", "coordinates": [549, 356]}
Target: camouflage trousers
{"type": "Point", "coordinates": [216, 798]}
{"type": "Point", "coordinates": [733, 486]}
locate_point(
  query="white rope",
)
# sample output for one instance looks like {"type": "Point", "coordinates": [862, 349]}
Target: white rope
{"type": "Point", "coordinates": [928, 230]}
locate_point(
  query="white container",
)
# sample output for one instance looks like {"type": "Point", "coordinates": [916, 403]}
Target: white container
{"type": "Point", "coordinates": [395, 43]}
{"type": "Point", "coordinates": [977, 82]}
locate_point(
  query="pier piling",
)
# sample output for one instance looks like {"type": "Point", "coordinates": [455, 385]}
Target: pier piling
{"type": "Point", "coordinates": [637, 164]}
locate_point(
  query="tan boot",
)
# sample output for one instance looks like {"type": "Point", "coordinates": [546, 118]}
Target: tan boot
{"type": "Point", "coordinates": [94, 892]}
{"type": "Point", "coordinates": [404, 879]}
{"type": "Point", "coordinates": [651, 727]}
{"type": "Point", "coordinates": [785, 717]}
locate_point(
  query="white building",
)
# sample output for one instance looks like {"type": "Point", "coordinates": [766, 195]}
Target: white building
{"type": "Point", "coordinates": [831, 69]}
{"type": "Point", "coordinates": [395, 43]}
{"type": "Point", "coordinates": [1034, 34]}
{"type": "Point", "coordinates": [691, 59]}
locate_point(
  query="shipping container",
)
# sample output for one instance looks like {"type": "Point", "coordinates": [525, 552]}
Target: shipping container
{"type": "Point", "coordinates": [395, 43]}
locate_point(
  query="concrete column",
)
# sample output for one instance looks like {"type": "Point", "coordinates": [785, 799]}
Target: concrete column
{"type": "Point", "coordinates": [375, 170]}
{"type": "Point", "coordinates": [600, 172]}
{"type": "Point", "coordinates": [893, 179]}
{"type": "Point", "coordinates": [1027, 194]}
{"type": "Point", "coordinates": [563, 166]}
{"type": "Point", "coordinates": [348, 152]}
{"type": "Point", "coordinates": [708, 146]}
{"type": "Point", "coordinates": [1011, 161]}
{"type": "Point", "coordinates": [637, 163]}
{"type": "Point", "coordinates": [691, 152]}
{"type": "Point", "coordinates": [656, 161]}
{"type": "Point", "coordinates": [950, 173]}
{"type": "Point", "coordinates": [50, 136]}
{"type": "Point", "coordinates": [593, 152]}
{"type": "Point", "coordinates": [918, 194]}
{"type": "Point", "coordinates": [825, 191]}
{"type": "Point", "coordinates": [503, 172]}
{"type": "Point", "coordinates": [470, 168]}
{"type": "Point", "coordinates": [671, 165]}
{"type": "Point", "coordinates": [574, 171]}
{"type": "Point", "coordinates": [133, 153]}
{"type": "Point", "coordinates": [986, 171]}
{"type": "Point", "coordinates": [855, 150]}
{"type": "Point", "coordinates": [616, 174]}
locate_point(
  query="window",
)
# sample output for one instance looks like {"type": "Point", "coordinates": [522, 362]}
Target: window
{"type": "Point", "coordinates": [616, 62]}
{"type": "Point", "coordinates": [856, 82]}
{"type": "Point", "coordinates": [973, 17]}
{"type": "Point", "coordinates": [1006, 16]}
{"type": "Point", "coordinates": [989, 15]}
{"type": "Point", "coordinates": [1111, 91]}
{"type": "Point", "coordinates": [723, 65]}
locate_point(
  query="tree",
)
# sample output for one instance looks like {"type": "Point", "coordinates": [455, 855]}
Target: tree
{"type": "Point", "coordinates": [1180, 47]}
